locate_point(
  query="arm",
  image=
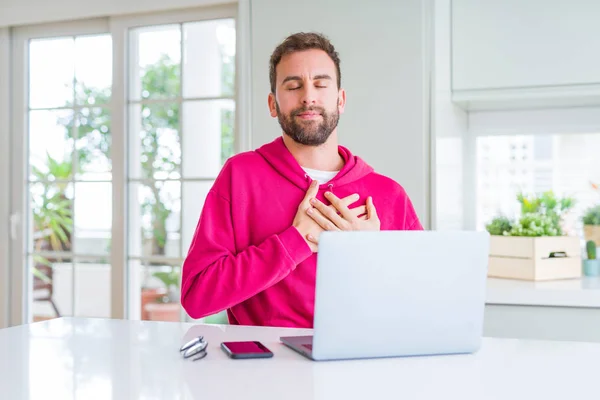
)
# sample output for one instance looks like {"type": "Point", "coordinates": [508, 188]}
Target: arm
{"type": "Point", "coordinates": [215, 277]}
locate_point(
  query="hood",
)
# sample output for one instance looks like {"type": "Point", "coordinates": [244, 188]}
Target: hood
{"type": "Point", "coordinates": [282, 161]}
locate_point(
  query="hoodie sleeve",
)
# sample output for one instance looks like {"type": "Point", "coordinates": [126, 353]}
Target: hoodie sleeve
{"type": "Point", "coordinates": [409, 218]}
{"type": "Point", "coordinates": [215, 277]}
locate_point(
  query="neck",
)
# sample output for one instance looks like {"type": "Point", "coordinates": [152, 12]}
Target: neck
{"type": "Point", "coordinates": [324, 157]}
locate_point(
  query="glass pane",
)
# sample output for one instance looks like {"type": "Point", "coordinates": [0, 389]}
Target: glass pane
{"type": "Point", "coordinates": [193, 196]}
{"type": "Point", "coordinates": [156, 62]}
{"type": "Point", "coordinates": [566, 164]}
{"type": "Point", "coordinates": [93, 144]}
{"type": "Point", "coordinates": [208, 136]}
{"type": "Point", "coordinates": [93, 69]}
{"type": "Point", "coordinates": [155, 150]}
{"type": "Point", "coordinates": [209, 58]}
{"type": "Point", "coordinates": [51, 217]}
{"type": "Point", "coordinates": [93, 217]}
{"type": "Point", "coordinates": [92, 288]}
{"type": "Point", "coordinates": [51, 72]}
{"type": "Point", "coordinates": [51, 287]}
{"type": "Point", "coordinates": [158, 289]}
{"type": "Point", "coordinates": [50, 144]}
{"type": "Point", "coordinates": [154, 219]}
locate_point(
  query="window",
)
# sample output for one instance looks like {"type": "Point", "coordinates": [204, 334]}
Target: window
{"type": "Point", "coordinates": [69, 176]}
{"type": "Point", "coordinates": [563, 163]}
{"type": "Point", "coordinates": [128, 122]}
{"type": "Point", "coordinates": [181, 121]}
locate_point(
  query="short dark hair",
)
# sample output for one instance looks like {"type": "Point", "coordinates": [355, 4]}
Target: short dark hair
{"type": "Point", "coordinates": [300, 42]}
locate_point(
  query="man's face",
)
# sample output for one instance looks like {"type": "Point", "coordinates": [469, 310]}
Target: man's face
{"type": "Point", "coordinates": [307, 101]}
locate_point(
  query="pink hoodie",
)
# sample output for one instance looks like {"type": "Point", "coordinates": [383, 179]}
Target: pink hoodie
{"type": "Point", "coordinates": [247, 257]}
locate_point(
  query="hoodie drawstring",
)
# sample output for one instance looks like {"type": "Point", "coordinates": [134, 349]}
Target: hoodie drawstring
{"type": "Point", "coordinates": [309, 180]}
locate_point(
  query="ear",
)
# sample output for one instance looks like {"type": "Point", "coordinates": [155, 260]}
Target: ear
{"type": "Point", "coordinates": [272, 102]}
{"type": "Point", "coordinates": [341, 101]}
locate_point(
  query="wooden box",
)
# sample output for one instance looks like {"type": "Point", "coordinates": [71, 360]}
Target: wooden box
{"type": "Point", "coordinates": [529, 258]}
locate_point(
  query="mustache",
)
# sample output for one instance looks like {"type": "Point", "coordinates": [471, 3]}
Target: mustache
{"type": "Point", "coordinates": [299, 111]}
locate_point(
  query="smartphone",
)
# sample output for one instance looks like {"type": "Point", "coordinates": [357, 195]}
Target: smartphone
{"type": "Point", "coordinates": [240, 350]}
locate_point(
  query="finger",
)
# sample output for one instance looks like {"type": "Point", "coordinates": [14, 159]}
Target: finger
{"type": "Point", "coordinates": [323, 222]}
{"type": "Point", "coordinates": [329, 213]}
{"type": "Point", "coordinates": [371, 211]}
{"type": "Point", "coordinates": [348, 200]}
{"type": "Point", "coordinates": [312, 191]}
{"type": "Point", "coordinates": [337, 203]}
{"type": "Point", "coordinates": [358, 211]}
{"type": "Point", "coordinates": [312, 239]}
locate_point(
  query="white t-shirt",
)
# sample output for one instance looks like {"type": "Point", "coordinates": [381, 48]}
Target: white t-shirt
{"type": "Point", "coordinates": [320, 176]}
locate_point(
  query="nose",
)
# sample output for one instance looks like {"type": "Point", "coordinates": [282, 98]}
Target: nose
{"type": "Point", "coordinates": [309, 95]}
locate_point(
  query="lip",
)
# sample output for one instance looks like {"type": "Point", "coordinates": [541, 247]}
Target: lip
{"type": "Point", "coordinates": [309, 115]}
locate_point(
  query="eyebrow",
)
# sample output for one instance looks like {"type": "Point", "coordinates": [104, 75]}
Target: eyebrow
{"type": "Point", "coordinates": [297, 78]}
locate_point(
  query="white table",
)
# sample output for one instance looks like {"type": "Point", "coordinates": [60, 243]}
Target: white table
{"type": "Point", "coordinates": [555, 310]}
{"type": "Point", "coordinates": [71, 358]}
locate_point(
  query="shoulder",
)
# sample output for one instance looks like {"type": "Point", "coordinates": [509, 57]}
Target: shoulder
{"type": "Point", "coordinates": [244, 159]}
{"type": "Point", "coordinates": [248, 161]}
{"type": "Point", "coordinates": [242, 163]}
{"type": "Point", "coordinates": [387, 184]}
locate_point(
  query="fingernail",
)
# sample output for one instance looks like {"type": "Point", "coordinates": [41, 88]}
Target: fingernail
{"type": "Point", "coordinates": [327, 194]}
{"type": "Point", "coordinates": [310, 211]}
{"type": "Point", "coordinates": [313, 201]}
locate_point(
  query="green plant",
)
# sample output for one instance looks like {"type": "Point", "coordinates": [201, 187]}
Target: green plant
{"type": "Point", "coordinates": [590, 246]}
{"type": "Point", "coordinates": [170, 280]}
{"type": "Point", "coordinates": [534, 224]}
{"type": "Point", "coordinates": [499, 225]}
{"type": "Point", "coordinates": [52, 212]}
{"type": "Point", "coordinates": [546, 204]}
{"type": "Point", "coordinates": [592, 216]}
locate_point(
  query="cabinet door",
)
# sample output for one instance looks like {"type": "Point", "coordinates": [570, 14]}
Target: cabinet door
{"type": "Point", "coordinates": [516, 44]}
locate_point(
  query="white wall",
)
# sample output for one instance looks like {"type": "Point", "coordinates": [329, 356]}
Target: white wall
{"type": "Point", "coordinates": [383, 55]}
{"type": "Point", "coordinates": [449, 131]}
{"type": "Point", "coordinates": [22, 12]}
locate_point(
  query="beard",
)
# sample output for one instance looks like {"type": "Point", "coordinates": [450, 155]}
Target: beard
{"type": "Point", "coordinates": [310, 132]}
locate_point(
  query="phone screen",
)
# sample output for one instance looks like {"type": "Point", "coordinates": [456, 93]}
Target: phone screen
{"type": "Point", "coordinates": [246, 347]}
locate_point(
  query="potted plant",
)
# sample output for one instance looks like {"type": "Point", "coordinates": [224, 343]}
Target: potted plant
{"type": "Point", "coordinates": [591, 266]}
{"type": "Point", "coordinates": [591, 224]}
{"type": "Point", "coordinates": [534, 246]}
{"type": "Point", "coordinates": [166, 307]}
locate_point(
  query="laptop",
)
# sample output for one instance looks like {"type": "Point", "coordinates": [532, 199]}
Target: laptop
{"type": "Point", "coordinates": [397, 293]}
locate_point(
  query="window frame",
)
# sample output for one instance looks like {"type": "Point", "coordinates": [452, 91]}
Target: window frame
{"type": "Point", "coordinates": [16, 72]}
{"type": "Point", "coordinates": [21, 36]}
{"type": "Point", "coordinates": [125, 306]}
{"type": "Point", "coordinates": [543, 121]}
{"type": "Point", "coordinates": [5, 287]}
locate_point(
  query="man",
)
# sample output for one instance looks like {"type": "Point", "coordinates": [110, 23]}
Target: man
{"type": "Point", "coordinates": [254, 250]}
